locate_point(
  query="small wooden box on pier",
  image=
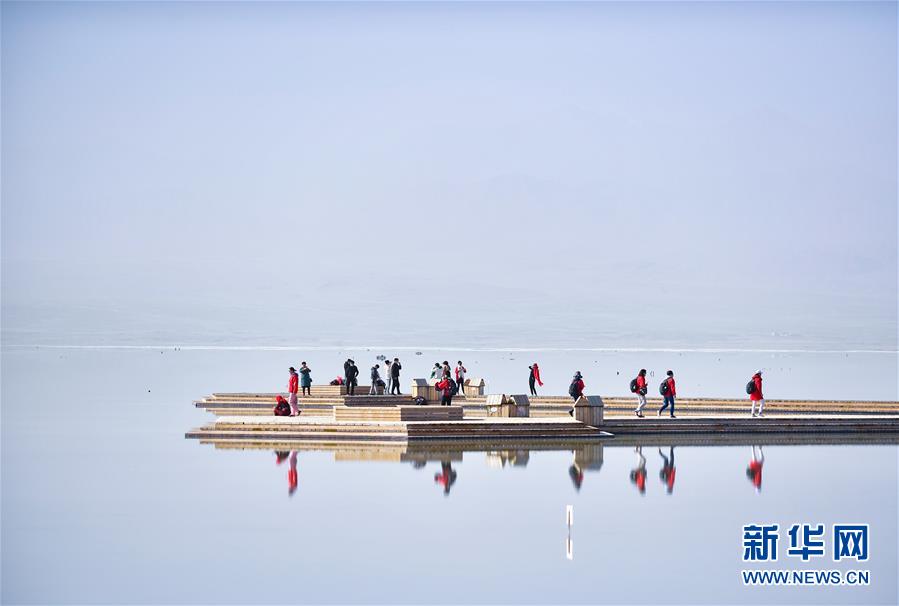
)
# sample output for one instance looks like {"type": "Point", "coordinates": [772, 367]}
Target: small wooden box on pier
{"type": "Point", "coordinates": [588, 410]}
{"type": "Point", "coordinates": [500, 405]}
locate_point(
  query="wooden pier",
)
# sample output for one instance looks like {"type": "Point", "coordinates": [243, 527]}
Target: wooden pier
{"type": "Point", "coordinates": [337, 418]}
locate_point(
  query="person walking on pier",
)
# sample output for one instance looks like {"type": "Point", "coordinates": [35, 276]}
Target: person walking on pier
{"type": "Point", "coordinates": [667, 473]}
{"type": "Point", "coordinates": [447, 386]}
{"type": "Point", "coordinates": [754, 469]}
{"type": "Point", "coordinates": [576, 389]}
{"type": "Point", "coordinates": [460, 377]}
{"type": "Point", "coordinates": [292, 388]}
{"type": "Point", "coordinates": [755, 393]}
{"type": "Point", "coordinates": [534, 377]}
{"type": "Point", "coordinates": [306, 379]}
{"type": "Point", "coordinates": [375, 380]}
{"type": "Point", "coordinates": [437, 371]}
{"type": "Point", "coordinates": [395, 369]}
{"type": "Point", "coordinates": [639, 386]}
{"type": "Point", "coordinates": [352, 372]}
{"type": "Point", "coordinates": [388, 378]}
{"type": "Point", "coordinates": [668, 391]}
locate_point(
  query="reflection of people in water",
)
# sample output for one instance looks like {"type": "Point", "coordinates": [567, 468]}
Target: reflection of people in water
{"type": "Point", "coordinates": [447, 476]}
{"type": "Point", "coordinates": [292, 474]}
{"type": "Point", "coordinates": [577, 475]}
{"type": "Point", "coordinates": [638, 474]}
{"type": "Point", "coordinates": [666, 474]}
{"type": "Point", "coordinates": [754, 469]}
{"type": "Point", "coordinates": [280, 457]}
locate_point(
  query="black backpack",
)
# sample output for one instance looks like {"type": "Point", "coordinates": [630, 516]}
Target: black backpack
{"type": "Point", "coordinates": [633, 385]}
{"type": "Point", "coordinates": [750, 387]}
{"type": "Point", "coordinates": [453, 387]}
{"type": "Point", "coordinates": [420, 401]}
{"type": "Point", "coordinates": [664, 388]}
{"type": "Point", "coordinates": [572, 389]}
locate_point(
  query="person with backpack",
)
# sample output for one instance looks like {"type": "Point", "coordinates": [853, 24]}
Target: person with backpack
{"type": "Point", "coordinates": [534, 377]}
{"type": "Point", "coordinates": [352, 372]}
{"type": "Point", "coordinates": [306, 379]}
{"type": "Point", "coordinates": [668, 391]}
{"type": "Point", "coordinates": [460, 376]}
{"type": "Point", "coordinates": [576, 389]}
{"type": "Point", "coordinates": [395, 369]}
{"type": "Point", "coordinates": [754, 389]}
{"type": "Point", "coordinates": [638, 386]}
{"type": "Point", "coordinates": [375, 380]}
{"type": "Point", "coordinates": [292, 389]}
{"type": "Point", "coordinates": [449, 388]}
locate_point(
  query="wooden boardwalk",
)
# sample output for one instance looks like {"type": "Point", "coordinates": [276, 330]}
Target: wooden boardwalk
{"type": "Point", "coordinates": [364, 419]}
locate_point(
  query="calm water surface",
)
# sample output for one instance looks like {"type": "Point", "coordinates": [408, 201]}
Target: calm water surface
{"type": "Point", "coordinates": [104, 501]}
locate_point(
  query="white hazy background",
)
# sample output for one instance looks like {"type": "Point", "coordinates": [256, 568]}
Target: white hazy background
{"type": "Point", "coordinates": [480, 175]}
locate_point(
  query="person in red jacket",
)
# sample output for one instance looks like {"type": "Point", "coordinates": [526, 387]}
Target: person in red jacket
{"type": "Point", "coordinates": [447, 397]}
{"type": "Point", "coordinates": [754, 469]}
{"type": "Point", "coordinates": [641, 392]}
{"type": "Point", "coordinates": [534, 378]}
{"type": "Point", "coordinates": [669, 395]}
{"type": "Point", "coordinates": [756, 395]}
{"type": "Point", "coordinates": [293, 386]}
{"type": "Point", "coordinates": [576, 389]}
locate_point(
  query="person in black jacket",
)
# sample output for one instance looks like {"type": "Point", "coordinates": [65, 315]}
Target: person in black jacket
{"type": "Point", "coordinates": [395, 369]}
{"type": "Point", "coordinates": [351, 372]}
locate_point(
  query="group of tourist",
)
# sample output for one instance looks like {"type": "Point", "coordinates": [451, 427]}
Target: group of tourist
{"type": "Point", "coordinates": [392, 373]}
{"type": "Point", "coordinates": [446, 385]}
{"type": "Point", "coordinates": [449, 382]}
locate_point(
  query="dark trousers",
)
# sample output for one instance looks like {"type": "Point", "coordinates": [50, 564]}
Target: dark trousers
{"type": "Point", "coordinates": [461, 386]}
{"type": "Point", "coordinates": [446, 401]}
{"type": "Point", "coordinates": [307, 391]}
{"type": "Point", "coordinates": [351, 386]}
{"type": "Point", "coordinates": [395, 386]}
{"type": "Point", "coordinates": [531, 382]}
{"type": "Point", "coordinates": [669, 401]}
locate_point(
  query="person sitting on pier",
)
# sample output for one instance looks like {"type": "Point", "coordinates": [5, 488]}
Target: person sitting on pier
{"type": "Point", "coordinates": [306, 379]}
{"type": "Point", "coordinates": [755, 393]}
{"type": "Point", "coordinates": [375, 380]}
{"type": "Point", "coordinates": [282, 408]}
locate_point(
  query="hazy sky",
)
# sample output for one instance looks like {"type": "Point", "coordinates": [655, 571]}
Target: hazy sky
{"type": "Point", "coordinates": [417, 172]}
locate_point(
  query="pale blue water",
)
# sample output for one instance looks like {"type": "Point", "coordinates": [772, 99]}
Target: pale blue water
{"type": "Point", "coordinates": [104, 501]}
